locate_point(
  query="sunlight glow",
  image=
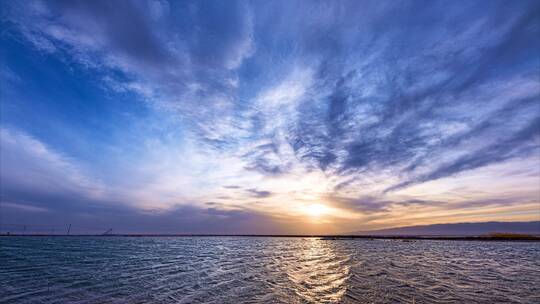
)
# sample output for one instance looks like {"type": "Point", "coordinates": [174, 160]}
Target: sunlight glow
{"type": "Point", "coordinates": [316, 210]}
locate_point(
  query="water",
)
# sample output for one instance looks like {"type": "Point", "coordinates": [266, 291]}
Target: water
{"type": "Point", "coordinates": [265, 270]}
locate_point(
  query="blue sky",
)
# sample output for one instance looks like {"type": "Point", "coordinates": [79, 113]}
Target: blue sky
{"type": "Point", "coordinates": [268, 116]}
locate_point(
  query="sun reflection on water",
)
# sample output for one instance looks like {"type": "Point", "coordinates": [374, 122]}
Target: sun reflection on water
{"type": "Point", "coordinates": [317, 272]}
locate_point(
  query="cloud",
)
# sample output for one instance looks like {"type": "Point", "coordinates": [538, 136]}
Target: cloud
{"type": "Point", "coordinates": [408, 113]}
{"type": "Point", "coordinates": [371, 205]}
{"type": "Point", "coordinates": [232, 187]}
{"type": "Point", "coordinates": [523, 143]}
{"type": "Point", "coordinates": [386, 208]}
{"type": "Point", "coordinates": [366, 205]}
{"type": "Point", "coordinates": [351, 102]}
{"type": "Point", "coordinates": [30, 165]}
{"type": "Point", "coordinates": [259, 193]}
{"type": "Point", "coordinates": [139, 47]}
{"type": "Point", "coordinates": [44, 186]}
{"type": "Point", "coordinates": [355, 99]}
{"type": "Point", "coordinates": [24, 207]}
{"type": "Point", "coordinates": [182, 219]}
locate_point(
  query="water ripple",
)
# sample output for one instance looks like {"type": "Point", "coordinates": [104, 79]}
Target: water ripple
{"type": "Point", "coordinates": [265, 270]}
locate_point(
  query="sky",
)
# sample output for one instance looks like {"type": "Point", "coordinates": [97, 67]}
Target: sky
{"type": "Point", "coordinates": [267, 117]}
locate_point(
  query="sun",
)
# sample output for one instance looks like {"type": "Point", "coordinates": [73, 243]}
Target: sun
{"type": "Point", "coordinates": [316, 210]}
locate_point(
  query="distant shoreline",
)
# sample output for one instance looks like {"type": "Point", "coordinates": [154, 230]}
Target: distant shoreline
{"type": "Point", "coordinates": [322, 237]}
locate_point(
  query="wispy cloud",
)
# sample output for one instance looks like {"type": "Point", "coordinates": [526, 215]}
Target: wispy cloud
{"type": "Point", "coordinates": [30, 165]}
{"type": "Point", "coordinates": [259, 193]}
{"type": "Point", "coordinates": [356, 104]}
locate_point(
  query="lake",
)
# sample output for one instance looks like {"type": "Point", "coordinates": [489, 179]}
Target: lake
{"type": "Point", "coordinates": [265, 270]}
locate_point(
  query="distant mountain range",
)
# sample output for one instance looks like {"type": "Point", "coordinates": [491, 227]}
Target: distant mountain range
{"type": "Point", "coordinates": [459, 229]}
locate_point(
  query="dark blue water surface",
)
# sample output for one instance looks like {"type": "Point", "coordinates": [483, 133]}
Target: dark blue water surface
{"type": "Point", "coordinates": [265, 270]}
